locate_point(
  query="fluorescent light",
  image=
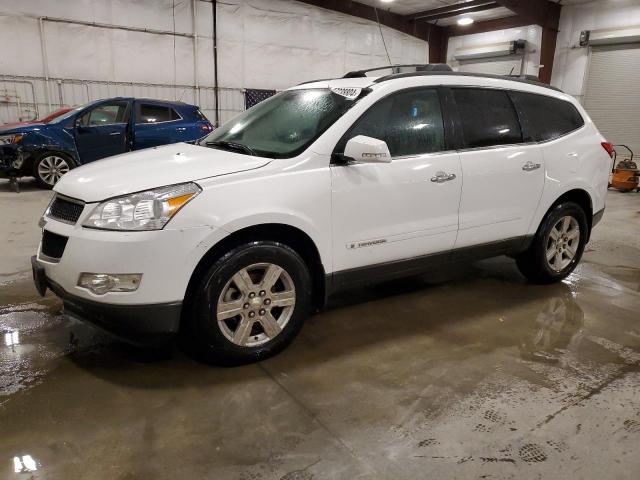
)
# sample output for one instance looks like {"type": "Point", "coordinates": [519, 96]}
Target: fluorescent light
{"type": "Point", "coordinates": [465, 21]}
{"type": "Point", "coordinates": [386, 1]}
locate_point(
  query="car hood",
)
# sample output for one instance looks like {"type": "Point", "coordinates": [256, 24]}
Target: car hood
{"type": "Point", "coordinates": [151, 168]}
{"type": "Point", "coordinates": [22, 128]}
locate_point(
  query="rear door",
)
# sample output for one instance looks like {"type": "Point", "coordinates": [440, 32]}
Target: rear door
{"type": "Point", "coordinates": [157, 124]}
{"type": "Point", "coordinates": [102, 130]}
{"type": "Point", "coordinates": [404, 209]}
{"type": "Point", "coordinates": [503, 176]}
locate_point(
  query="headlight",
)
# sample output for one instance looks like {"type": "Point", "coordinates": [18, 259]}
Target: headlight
{"type": "Point", "coordinates": [11, 139]}
{"type": "Point", "coordinates": [149, 210]}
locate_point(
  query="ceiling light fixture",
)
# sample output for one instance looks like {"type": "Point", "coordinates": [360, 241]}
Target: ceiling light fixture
{"type": "Point", "coordinates": [386, 1]}
{"type": "Point", "coordinates": [465, 21]}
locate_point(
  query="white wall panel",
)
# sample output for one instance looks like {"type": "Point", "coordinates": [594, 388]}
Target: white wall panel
{"type": "Point", "coordinates": [571, 61]}
{"type": "Point", "coordinates": [261, 44]}
{"type": "Point", "coordinates": [532, 34]}
{"type": "Point", "coordinates": [17, 36]}
{"type": "Point", "coordinates": [78, 51]}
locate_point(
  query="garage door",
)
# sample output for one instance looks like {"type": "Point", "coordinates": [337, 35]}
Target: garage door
{"type": "Point", "coordinates": [494, 66]}
{"type": "Point", "coordinates": [612, 95]}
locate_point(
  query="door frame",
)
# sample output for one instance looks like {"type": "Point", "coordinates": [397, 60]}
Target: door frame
{"type": "Point", "coordinates": [127, 114]}
{"type": "Point", "coordinates": [451, 140]}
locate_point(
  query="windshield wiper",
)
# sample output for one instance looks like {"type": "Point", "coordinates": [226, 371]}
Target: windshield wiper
{"type": "Point", "coordinates": [231, 146]}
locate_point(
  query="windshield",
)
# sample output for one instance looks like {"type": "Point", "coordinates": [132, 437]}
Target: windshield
{"type": "Point", "coordinates": [71, 112]}
{"type": "Point", "coordinates": [282, 126]}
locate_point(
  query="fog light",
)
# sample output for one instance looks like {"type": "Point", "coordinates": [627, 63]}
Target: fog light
{"type": "Point", "coordinates": [101, 283]}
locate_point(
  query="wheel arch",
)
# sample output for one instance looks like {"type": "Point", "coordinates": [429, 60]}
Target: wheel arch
{"type": "Point", "coordinates": [579, 196]}
{"type": "Point", "coordinates": [291, 236]}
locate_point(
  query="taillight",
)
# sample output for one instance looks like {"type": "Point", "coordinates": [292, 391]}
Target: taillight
{"type": "Point", "coordinates": [207, 127]}
{"type": "Point", "coordinates": [609, 148]}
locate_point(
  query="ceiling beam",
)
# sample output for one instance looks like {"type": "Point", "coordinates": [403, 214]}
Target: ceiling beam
{"type": "Point", "coordinates": [453, 10]}
{"type": "Point", "coordinates": [539, 12]}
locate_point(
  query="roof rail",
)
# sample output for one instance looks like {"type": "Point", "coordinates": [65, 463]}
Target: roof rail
{"type": "Point", "coordinates": [420, 67]}
{"type": "Point", "coordinates": [528, 79]}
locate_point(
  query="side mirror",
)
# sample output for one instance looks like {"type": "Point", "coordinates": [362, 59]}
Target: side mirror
{"type": "Point", "coordinates": [363, 149]}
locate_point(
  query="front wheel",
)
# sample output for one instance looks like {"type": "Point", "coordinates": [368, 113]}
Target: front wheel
{"type": "Point", "coordinates": [250, 305]}
{"type": "Point", "coordinates": [50, 167]}
{"type": "Point", "coordinates": [557, 246]}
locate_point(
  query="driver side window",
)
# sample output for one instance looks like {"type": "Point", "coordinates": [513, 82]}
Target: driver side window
{"type": "Point", "coordinates": [409, 121]}
{"type": "Point", "coordinates": [105, 114]}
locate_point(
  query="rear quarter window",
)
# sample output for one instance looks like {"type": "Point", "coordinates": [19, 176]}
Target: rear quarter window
{"type": "Point", "coordinates": [546, 118]}
{"type": "Point", "coordinates": [488, 117]}
{"type": "Point", "coordinates": [153, 113]}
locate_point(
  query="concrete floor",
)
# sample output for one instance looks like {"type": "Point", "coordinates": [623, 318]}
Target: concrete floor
{"type": "Point", "coordinates": [469, 373]}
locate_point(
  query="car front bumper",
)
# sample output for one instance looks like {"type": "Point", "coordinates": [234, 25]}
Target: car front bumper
{"type": "Point", "coordinates": [165, 258]}
{"type": "Point", "coordinates": [139, 324]}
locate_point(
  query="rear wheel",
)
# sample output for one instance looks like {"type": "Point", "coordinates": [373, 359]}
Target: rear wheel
{"type": "Point", "coordinates": [250, 304]}
{"type": "Point", "coordinates": [50, 167]}
{"type": "Point", "coordinates": [557, 246]}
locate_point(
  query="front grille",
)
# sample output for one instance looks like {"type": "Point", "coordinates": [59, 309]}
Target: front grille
{"type": "Point", "coordinates": [53, 245]}
{"type": "Point", "coordinates": [65, 210]}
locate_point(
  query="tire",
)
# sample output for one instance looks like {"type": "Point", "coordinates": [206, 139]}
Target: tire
{"type": "Point", "coordinates": [563, 219]}
{"type": "Point", "coordinates": [49, 168]}
{"type": "Point", "coordinates": [260, 329]}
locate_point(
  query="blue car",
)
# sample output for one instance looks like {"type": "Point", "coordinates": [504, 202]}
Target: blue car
{"type": "Point", "coordinates": [93, 131]}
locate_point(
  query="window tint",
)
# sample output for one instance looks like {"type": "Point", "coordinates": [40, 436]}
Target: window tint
{"type": "Point", "coordinates": [150, 113]}
{"type": "Point", "coordinates": [105, 114]}
{"type": "Point", "coordinates": [488, 117]}
{"type": "Point", "coordinates": [546, 117]}
{"type": "Point", "coordinates": [410, 122]}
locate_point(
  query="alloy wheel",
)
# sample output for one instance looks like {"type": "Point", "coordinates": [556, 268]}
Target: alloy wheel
{"type": "Point", "coordinates": [256, 304]}
{"type": "Point", "coordinates": [562, 243]}
{"type": "Point", "coordinates": [52, 168]}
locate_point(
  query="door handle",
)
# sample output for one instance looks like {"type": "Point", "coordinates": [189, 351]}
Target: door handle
{"type": "Point", "coordinates": [113, 134]}
{"type": "Point", "coordinates": [442, 177]}
{"type": "Point", "coordinates": [181, 129]}
{"type": "Point", "coordinates": [530, 166]}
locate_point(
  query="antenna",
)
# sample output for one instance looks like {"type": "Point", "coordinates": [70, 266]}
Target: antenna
{"type": "Point", "coordinates": [381, 35]}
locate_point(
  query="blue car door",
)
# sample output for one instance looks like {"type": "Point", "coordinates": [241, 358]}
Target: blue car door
{"type": "Point", "coordinates": [102, 130]}
{"type": "Point", "coordinates": [156, 124]}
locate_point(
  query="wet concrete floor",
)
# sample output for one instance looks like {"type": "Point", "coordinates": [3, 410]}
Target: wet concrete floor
{"type": "Point", "coordinates": [467, 373]}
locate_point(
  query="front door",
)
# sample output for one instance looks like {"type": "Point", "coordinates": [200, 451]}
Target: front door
{"type": "Point", "coordinates": [503, 177]}
{"type": "Point", "coordinates": [383, 213]}
{"type": "Point", "coordinates": [102, 131]}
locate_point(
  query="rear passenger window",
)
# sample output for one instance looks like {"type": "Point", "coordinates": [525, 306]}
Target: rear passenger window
{"type": "Point", "coordinates": [150, 113]}
{"type": "Point", "coordinates": [546, 117]}
{"type": "Point", "coordinates": [410, 122]}
{"type": "Point", "coordinates": [488, 117]}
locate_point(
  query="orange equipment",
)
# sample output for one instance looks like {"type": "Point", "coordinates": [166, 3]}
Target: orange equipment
{"type": "Point", "coordinates": [625, 174]}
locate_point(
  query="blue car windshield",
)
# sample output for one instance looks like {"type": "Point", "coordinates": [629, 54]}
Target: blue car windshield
{"type": "Point", "coordinates": [70, 113]}
{"type": "Point", "coordinates": [284, 125]}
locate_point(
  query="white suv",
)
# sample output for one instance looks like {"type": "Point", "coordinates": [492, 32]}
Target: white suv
{"type": "Point", "coordinates": [236, 240]}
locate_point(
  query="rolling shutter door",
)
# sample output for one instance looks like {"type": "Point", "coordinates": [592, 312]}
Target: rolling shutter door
{"type": "Point", "coordinates": [612, 96]}
{"type": "Point", "coordinates": [495, 66]}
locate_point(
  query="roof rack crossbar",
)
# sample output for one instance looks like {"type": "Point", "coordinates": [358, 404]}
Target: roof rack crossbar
{"type": "Point", "coordinates": [529, 79]}
{"type": "Point", "coordinates": [425, 67]}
